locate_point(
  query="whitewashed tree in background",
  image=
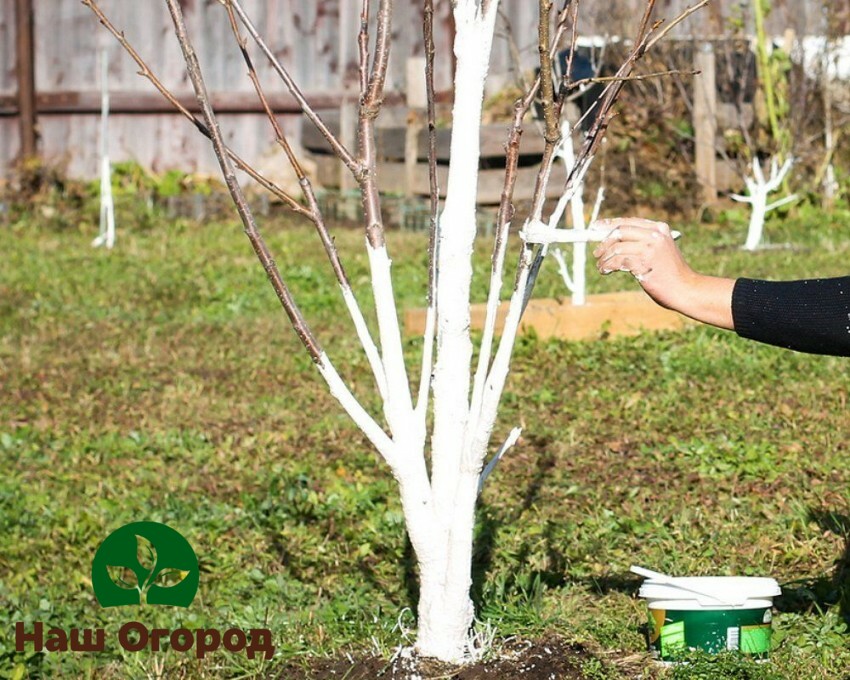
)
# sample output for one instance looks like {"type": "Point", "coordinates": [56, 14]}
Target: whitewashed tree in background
{"type": "Point", "coordinates": [106, 232]}
{"type": "Point", "coordinates": [577, 282]}
{"type": "Point", "coordinates": [438, 503]}
{"type": "Point", "coordinates": [759, 189]}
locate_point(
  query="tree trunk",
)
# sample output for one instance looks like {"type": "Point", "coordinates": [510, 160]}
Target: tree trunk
{"type": "Point", "coordinates": [446, 612]}
{"type": "Point", "coordinates": [445, 609]}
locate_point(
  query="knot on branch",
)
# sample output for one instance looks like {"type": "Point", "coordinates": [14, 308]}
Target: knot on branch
{"type": "Point", "coordinates": [370, 110]}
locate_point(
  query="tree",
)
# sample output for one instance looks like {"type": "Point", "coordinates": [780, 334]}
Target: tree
{"type": "Point", "coordinates": [439, 478]}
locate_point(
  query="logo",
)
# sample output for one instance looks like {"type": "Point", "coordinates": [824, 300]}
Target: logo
{"type": "Point", "coordinates": [145, 563]}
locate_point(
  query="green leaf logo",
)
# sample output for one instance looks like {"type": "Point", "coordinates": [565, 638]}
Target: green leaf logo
{"type": "Point", "coordinates": [145, 563]}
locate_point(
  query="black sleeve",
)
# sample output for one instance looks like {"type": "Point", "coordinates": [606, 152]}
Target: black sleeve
{"type": "Point", "coordinates": [808, 316]}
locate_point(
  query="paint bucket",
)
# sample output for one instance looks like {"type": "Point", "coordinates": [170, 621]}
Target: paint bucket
{"type": "Point", "coordinates": [711, 613]}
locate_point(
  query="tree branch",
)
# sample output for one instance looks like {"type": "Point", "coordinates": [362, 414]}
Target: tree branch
{"type": "Point", "coordinates": [316, 216]}
{"type": "Point", "coordinates": [146, 73]}
{"type": "Point", "coordinates": [338, 387]}
{"type": "Point", "coordinates": [338, 148]}
{"type": "Point", "coordinates": [433, 230]}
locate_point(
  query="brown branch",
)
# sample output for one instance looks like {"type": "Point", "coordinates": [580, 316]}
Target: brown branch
{"type": "Point", "coordinates": [631, 78]}
{"type": "Point", "coordinates": [375, 91]}
{"type": "Point", "coordinates": [551, 132]}
{"type": "Point", "coordinates": [257, 242]}
{"type": "Point", "coordinates": [370, 106]}
{"type": "Point", "coordinates": [146, 73]}
{"type": "Point", "coordinates": [363, 46]}
{"type": "Point", "coordinates": [336, 145]}
{"type": "Point", "coordinates": [306, 185]}
{"type": "Point", "coordinates": [679, 19]}
{"type": "Point", "coordinates": [433, 186]}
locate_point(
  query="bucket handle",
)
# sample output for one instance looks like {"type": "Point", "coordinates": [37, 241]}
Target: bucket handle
{"type": "Point", "coordinates": [666, 579]}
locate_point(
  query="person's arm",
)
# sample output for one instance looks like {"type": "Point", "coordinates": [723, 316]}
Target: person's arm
{"type": "Point", "coordinates": [808, 316]}
{"type": "Point", "coordinates": [811, 315]}
{"type": "Point", "coordinates": [646, 249]}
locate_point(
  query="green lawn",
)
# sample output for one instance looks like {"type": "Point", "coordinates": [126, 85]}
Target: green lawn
{"type": "Point", "coordinates": [161, 382]}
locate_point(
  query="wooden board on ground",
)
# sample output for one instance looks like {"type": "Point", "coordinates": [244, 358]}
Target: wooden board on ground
{"type": "Point", "coordinates": [391, 179]}
{"type": "Point", "coordinates": [390, 140]}
{"type": "Point", "coordinates": [604, 315]}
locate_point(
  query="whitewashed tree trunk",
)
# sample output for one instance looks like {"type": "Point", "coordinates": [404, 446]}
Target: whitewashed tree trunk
{"type": "Point", "coordinates": [759, 188]}
{"type": "Point", "coordinates": [445, 609]}
{"type": "Point", "coordinates": [577, 282]}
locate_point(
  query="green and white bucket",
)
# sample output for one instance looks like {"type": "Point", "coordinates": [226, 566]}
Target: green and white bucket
{"type": "Point", "coordinates": [711, 613]}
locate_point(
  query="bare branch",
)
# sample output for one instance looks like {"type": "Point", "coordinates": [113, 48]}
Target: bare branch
{"type": "Point", "coordinates": [316, 216]}
{"type": "Point", "coordinates": [363, 47]}
{"type": "Point", "coordinates": [433, 231]}
{"type": "Point", "coordinates": [633, 77]}
{"type": "Point", "coordinates": [552, 131]}
{"type": "Point", "coordinates": [675, 22]}
{"type": "Point", "coordinates": [338, 148]}
{"type": "Point", "coordinates": [146, 73]}
{"type": "Point", "coordinates": [375, 91]}
{"type": "Point", "coordinates": [338, 387]}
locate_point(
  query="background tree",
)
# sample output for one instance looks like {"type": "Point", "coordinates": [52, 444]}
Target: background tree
{"type": "Point", "coordinates": [439, 473]}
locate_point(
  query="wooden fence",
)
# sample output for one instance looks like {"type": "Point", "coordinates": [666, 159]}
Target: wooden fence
{"type": "Point", "coordinates": [49, 72]}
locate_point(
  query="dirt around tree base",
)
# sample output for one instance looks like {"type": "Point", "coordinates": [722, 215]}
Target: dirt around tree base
{"type": "Point", "coordinates": [549, 659]}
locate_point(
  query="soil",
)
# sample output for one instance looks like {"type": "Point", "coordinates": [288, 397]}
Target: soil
{"type": "Point", "coordinates": [549, 659]}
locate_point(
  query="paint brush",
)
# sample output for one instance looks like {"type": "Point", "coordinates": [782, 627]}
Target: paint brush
{"type": "Point", "coordinates": [539, 232]}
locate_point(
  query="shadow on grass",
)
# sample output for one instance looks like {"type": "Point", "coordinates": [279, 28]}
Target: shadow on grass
{"type": "Point", "coordinates": [825, 591]}
{"type": "Point", "coordinates": [525, 584]}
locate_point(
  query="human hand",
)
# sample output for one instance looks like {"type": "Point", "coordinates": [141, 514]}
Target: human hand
{"type": "Point", "coordinates": [645, 249]}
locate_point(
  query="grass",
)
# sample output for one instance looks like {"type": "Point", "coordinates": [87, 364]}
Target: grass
{"type": "Point", "coordinates": [161, 382]}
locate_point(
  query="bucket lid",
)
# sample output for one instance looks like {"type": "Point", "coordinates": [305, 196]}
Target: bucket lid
{"type": "Point", "coordinates": [711, 590]}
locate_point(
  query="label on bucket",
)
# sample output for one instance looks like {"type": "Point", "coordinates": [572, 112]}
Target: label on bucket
{"type": "Point", "coordinates": [755, 639]}
{"type": "Point", "coordinates": [674, 631]}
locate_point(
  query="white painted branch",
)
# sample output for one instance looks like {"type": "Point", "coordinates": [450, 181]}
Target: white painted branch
{"type": "Point", "coordinates": [597, 206]}
{"type": "Point", "coordinates": [457, 235]}
{"type": "Point", "coordinates": [566, 151]}
{"type": "Point", "coordinates": [506, 446]}
{"type": "Point", "coordinates": [356, 412]}
{"type": "Point", "coordinates": [493, 299]}
{"type": "Point", "coordinates": [398, 405]}
{"type": "Point", "coordinates": [366, 341]}
{"type": "Point", "coordinates": [563, 270]}
{"type": "Point", "coordinates": [781, 202]}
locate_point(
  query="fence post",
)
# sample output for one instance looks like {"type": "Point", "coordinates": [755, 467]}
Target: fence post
{"type": "Point", "coordinates": [25, 70]}
{"type": "Point", "coordinates": [705, 120]}
{"type": "Point", "coordinates": [416, 98]}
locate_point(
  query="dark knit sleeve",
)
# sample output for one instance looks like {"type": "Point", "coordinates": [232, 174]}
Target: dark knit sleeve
{"type": "Point", "coordinates": [808, 316]}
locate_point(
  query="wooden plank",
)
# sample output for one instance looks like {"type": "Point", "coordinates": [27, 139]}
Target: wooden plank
{"type": "Point", "coordinates": [392, 180]}
{"type": "Point", "coordinates": [25, 71]}
{"type": "Point", "coordinates": [141, 103]}
{"type": "Point", "coordinates": [705, 121]}
{"type": "Point", "coordinates": [605, 315]}
{"type": "Point", "coordinates": [391, 141]}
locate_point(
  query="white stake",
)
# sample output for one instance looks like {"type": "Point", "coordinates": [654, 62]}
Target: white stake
{"type": "Point", "coordinates": [106, 233]}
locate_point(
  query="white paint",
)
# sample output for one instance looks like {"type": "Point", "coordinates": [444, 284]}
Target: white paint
{"type": "Point", "coordinates": [398, 405]}
{"type": "Point", "coordinates": [759, 188]}
{"type": "Point", "coordinates": [365, 338]}
{"type": "Point", "coordinates": [356, 412]}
